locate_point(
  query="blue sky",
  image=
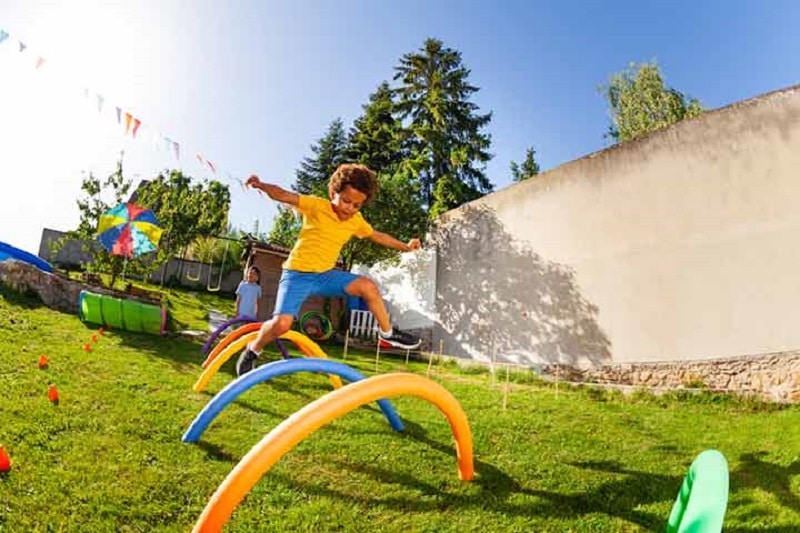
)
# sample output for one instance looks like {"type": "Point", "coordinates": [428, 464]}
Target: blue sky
{"type": "Point", "coordinates": [252, 84]}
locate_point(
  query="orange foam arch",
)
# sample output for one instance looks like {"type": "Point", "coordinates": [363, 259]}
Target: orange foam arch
{"type": "Point", "coordinates": [316, 414]}
{"type": "Point", "coordinates": [229, 338]}
{"type": "Point", "coordinates": [306, 345]}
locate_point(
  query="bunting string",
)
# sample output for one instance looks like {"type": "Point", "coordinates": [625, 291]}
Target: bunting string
{"type": "Point", "coordinates": [129, 123]}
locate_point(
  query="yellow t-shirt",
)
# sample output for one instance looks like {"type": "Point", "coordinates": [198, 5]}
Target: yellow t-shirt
{"type": "Point", "coordinates": [322, 235]}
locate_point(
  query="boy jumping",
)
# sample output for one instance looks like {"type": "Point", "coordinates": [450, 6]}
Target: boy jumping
{"type": "Point", "coordinates": [309, 270]}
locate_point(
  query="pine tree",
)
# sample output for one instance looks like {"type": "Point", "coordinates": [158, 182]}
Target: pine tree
{"type": "Point", "coordinates": [448, 147]}
{"type": "Point", "coordinates": [377, 140]}
{"type": "Point", "coordinates": [329, 152]}
{"type": "Point", "coordinates": [527, 169]}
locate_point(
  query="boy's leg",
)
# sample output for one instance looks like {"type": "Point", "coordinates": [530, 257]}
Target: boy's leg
{"type": "Point", "coordinates": [293, 289]}
{"type": "Point", "coordinates": [365, 288]}
{"type": "Point", "coordinates": [269, 331]}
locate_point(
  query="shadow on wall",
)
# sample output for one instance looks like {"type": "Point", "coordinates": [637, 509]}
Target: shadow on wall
{"type": "Point", "coordinates": [496, 298]}
{"type": "Point", "coordinates": [408, 288]}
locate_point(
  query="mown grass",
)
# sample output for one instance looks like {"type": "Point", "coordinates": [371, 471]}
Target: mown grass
{"type": "Point", "coordinates": [108, 457]}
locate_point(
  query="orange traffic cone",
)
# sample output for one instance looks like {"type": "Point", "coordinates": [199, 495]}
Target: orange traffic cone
{"type": "Point", "coordinates": [5, 460]}
{"type": "Point", "coordinates": [87, 348]}
{"type": "Point", "coordinates": [43, 361]}
{"type": "Point", "coordinates": [52, 393]}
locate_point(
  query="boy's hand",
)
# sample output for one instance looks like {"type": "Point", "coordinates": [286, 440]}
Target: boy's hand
{"type": "Point", "coordinates": [252, 181]}
{"type": "Point", "coordinates": [414, 244]}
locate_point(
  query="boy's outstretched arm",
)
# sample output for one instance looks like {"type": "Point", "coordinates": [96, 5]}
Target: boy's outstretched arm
{"type": "Point", "coordinates": [278, 194]}
{"type": "Point", "coordinates": [384, 239]}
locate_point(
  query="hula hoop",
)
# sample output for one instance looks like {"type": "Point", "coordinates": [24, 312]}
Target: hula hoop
{"type": "Point", "coordinates": [325, 323]}
{"type": "Point", "coordinates": [222, 327]}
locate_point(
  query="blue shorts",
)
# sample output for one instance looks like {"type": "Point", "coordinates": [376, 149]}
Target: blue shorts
{"type": "Point", "coordinates": [294, 287]}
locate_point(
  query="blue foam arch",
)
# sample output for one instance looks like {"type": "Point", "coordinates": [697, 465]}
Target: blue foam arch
{"type": "Point", "coordinates": [272, 370]}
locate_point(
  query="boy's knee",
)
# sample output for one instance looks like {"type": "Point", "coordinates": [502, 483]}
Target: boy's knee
{"type": "Point", "coordinates": [281, 324]}
{"type": "Point", "coordinates": [365, 287]}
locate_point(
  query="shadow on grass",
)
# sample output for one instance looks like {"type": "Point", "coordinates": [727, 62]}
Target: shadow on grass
{"type": "Point", "coordinates": [754, 472]}
{"type": "Point", "coordinates": [249, 406]}
{"type": "Point", "coordinates": [622, 497]}
{"type": "Point", "coordinates": [618, 499]}
{"type": "Point", "coordinates": [763, 529]}
{"type": "Point", "coordinates": [28, 299]}
{"type": "Point", "coordinates": [180, 351]}
{"type": "Point", "coordinates": [214, 451]}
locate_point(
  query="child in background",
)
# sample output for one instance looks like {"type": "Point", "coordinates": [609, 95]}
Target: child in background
{"type": "Point", "coordinates": [247, 294]}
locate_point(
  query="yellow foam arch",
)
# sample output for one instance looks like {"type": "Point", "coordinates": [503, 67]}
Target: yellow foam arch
{"type": "Point", "coordinates": [306, 345]}
{"type": "Point", "coordinates": [316, 414]}
{"type": "Point", "coordinates": [229, 338]}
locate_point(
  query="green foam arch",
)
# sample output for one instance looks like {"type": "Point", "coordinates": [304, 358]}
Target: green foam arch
{"type": "Point", "coordinates": [703, 499]}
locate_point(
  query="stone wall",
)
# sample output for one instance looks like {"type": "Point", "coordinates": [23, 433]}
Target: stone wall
{"type": "Point", "coordinates": [55, 291]}
{"type": "Point", "coordinates": [774, 377]}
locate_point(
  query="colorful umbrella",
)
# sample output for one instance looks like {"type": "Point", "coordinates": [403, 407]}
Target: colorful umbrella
{"type": "Point", "coordinates": [129, 230]}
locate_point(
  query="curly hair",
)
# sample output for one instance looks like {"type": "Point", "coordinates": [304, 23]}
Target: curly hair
{"type": "Point", "coordinates": [357, 176]}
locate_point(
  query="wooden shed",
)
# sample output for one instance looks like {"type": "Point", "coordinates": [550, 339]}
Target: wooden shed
{"type": "Point", "coordinates": [269, 259]}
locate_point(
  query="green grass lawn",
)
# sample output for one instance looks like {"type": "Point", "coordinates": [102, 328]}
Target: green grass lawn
{"type": "Point", "coordinates": [108, 457]}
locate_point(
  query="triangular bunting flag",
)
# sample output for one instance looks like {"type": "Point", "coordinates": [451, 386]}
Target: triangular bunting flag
{"type": "Point", "coordinates": [132, 124]}
{"type": "Point", "coordinates": [240, 182]}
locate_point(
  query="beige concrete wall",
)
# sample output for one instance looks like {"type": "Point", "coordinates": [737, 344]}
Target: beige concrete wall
{"type": "Point", "coordinates": [682, 245]}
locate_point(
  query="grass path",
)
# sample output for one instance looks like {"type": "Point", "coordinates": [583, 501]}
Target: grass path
{"type": "Point", "coordinates": [109, 456]}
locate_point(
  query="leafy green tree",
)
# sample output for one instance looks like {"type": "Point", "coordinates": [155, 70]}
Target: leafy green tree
{"type": "Point", "coordinates": [99, 196]}
{"type": "Point", "coordinates": [449, 148]}
{"type": "Point", "coordinates": [285, 227]}
{"type": "Point", "coordinates": [396, 210]}
{"type": "Point", "coordinates": [527, 169]}
{"type": "Point", "coordinates": [205, 249]}
{"type": "Point", "coordinates": [186, 209]}
{"type": "Point", "coordinates": [222, 255]}
{"type": "Point", "coordinates": [640, 102]}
